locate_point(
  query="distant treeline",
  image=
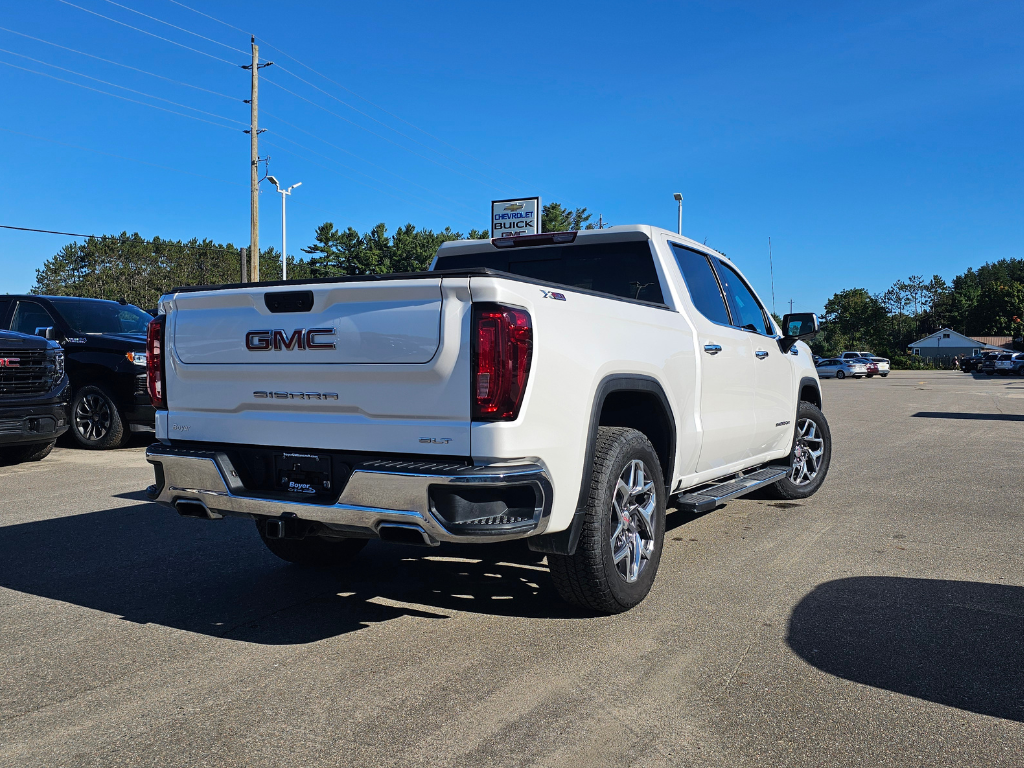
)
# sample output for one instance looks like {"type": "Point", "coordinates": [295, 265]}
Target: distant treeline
{"type": "Point", "coordinates": [140, 271]}
{"type": "Point", "coordinates": [988, 301]}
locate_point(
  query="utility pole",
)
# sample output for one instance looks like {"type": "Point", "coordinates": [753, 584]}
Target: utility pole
{"type": "Point", "coordinates": [243, 261]}
{"type": "Point", "coordinates": [254, 160]}
{"type": "Point", "coordinates": [791, 306]}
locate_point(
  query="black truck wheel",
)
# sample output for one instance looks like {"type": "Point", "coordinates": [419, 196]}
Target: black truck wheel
{"type": "Point", "coordinates": [16, 454]}
{"type": "Point", "coordinates": [313, 551]}
{"type": "Point", "coordinates": [96, 421]}
{"type": "Point", "coordinates": [623, 532]}
{"type": "Point", "coordinates": [809, 460]}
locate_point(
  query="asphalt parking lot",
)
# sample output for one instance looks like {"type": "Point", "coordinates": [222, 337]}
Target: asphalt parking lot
{"type": "Point", "coordinates": [880, 623]}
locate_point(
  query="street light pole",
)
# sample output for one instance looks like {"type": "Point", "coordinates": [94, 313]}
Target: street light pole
{"type": "Point", "coordinates": [284, 231]}
{"type": "Point", "coordinates": [679, 198]}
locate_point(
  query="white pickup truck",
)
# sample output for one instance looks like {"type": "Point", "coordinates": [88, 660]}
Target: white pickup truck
{"type": "Point", "coordinates": [555, 387]}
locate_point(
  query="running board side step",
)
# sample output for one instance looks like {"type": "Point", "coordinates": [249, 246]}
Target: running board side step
{"type": "Point", "coordinates": [709, 498]}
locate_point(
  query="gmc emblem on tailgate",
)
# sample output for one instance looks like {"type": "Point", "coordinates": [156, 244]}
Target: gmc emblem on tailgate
{"type": "Point", "coordinates": [300, 338]}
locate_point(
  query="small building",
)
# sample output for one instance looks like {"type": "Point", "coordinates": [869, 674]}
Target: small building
{"type": "Point", "coordinates": [947, 343]}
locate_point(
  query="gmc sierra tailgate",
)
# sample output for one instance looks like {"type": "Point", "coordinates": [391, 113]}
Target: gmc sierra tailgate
{"type": "Point", "coordinates": [375, 366]}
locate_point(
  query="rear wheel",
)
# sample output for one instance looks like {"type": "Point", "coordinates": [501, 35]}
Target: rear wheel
{"type": "Point", "coordinates": [96, 421]}
{"type": "Point", "coordinates": [313, 551]}
{"type": "Point", "coordinates": [840, 374]}
{"type": "Point", "coordinates": [811, 455]}
{"type": "Point", "coordinates": [870, 375]}
{"type": "Point", "coordinates": [31, 452]}
{"type": "Point", "coordinates": [623, 532]}
{"type": "Point", "coordinates": [883, 375]}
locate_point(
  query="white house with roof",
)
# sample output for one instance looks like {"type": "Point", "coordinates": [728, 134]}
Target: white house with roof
{"type": "Point", "coordinates": [949, 342]}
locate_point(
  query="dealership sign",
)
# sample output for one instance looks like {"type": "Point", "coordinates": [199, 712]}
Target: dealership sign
{"type": "Point", "coordinates": [515, 217]}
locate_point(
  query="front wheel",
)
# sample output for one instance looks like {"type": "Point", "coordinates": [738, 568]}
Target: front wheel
{"type": "Point", "coordinates": [96, 421]}
{"type": "Point", "coordinates": [870, 375]}
{"type": "Point", "coordinates": [31, 452]}
{"type": "Point", "coordinates": [811, 455]}
{"type": "Point", "coordinates": [623, 532]}
{"type": "Point", "coordinates": [883, 375]}
{"type": "Point", "coordinates": [840, 374]}
{"type": "Point", "coordinates": [313, 551]}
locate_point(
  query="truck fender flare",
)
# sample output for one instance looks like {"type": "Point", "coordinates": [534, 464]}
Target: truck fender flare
{"type": "Point", "coordinates": [812, 383]}
{"type": "Point", "coordinates": [564, 542]}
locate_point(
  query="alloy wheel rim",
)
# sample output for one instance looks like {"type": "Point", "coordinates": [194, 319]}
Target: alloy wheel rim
{"type": "Point", "coordinates": [93, 417]}
{"type": "Point", "coordinates": [632, 517]}
{"type": "Point", "coordinates": [807, 453]}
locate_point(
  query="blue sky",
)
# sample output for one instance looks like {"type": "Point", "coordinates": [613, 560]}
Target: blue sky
{"type": "Point", "coordinates": [870, 141]}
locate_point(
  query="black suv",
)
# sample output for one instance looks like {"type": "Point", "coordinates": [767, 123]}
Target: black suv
{"type": "Point", "coordinates": [105, 354]}
{"type": "Point", "coordinates": [33, 397]}
{"type": "Point", "coordinates": [972, 363]}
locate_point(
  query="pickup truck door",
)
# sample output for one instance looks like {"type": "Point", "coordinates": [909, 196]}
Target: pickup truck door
{"type": "Point", "coordinates": [726, 364]}
{"type": "Point", "coordinates": [774, 390]}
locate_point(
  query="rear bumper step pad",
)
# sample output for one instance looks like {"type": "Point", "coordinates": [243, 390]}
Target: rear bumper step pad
{"type": "Point", "coordinates": [709, 498]}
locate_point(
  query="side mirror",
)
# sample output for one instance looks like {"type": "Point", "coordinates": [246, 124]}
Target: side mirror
{"type": "Point", "coordinates": [49, 333]}
{"type": "Point", "coordinates": [799, 325]}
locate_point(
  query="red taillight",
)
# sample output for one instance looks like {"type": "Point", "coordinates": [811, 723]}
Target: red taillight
{"type": "Point", "coordinates": [502, 348]}
{"type": "Point", "coordinates": [155, 361]}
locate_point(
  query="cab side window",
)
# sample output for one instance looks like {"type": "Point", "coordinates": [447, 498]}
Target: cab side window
{"type": "Point", "coordinates": [745, 308]}
{"type": "Point", "coordinates": [702, 284]}
{"type": "Point", "coordinates": [29, 317]}
{"type": "Point", "coordinates": [5, 304]}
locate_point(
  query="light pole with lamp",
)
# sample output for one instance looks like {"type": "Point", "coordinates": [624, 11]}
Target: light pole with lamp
{"type": "Point", "coordinates": [284, 240]}
{"type": "Point", "coordinates": [679, 198]}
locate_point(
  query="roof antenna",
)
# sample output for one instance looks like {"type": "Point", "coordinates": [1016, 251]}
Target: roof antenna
{"type": "Point", "coordinates": [771, 267]}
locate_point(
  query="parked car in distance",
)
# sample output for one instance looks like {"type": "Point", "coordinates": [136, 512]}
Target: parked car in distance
{"type": "Point", "coordinates": [988, 365]}
{"type": "Point", "coordinates": [33, 397]}
{"type": "Point", "coordinates": [881, 362]}
{"type": "Point", "coordinates": [838, 368]}
{"type": "Point", "coordinates": [972, 363]}
{"type": "Point", "coordinates": [104, 346]}
{"type": "Point", "coordinates": [1008, 363]}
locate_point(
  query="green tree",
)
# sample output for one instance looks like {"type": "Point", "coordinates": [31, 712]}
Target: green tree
{"type": "Point", "coordinates": [555, 218]}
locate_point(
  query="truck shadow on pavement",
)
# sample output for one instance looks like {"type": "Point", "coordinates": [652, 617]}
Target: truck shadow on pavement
{"type": "Point", "coordinates": [148, 565]}
{"type": "Point", "coordinates": [957, 643]}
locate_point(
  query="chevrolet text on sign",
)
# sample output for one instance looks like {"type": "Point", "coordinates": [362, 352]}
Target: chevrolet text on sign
{"type": "Point", "coordinates": [515, 217]}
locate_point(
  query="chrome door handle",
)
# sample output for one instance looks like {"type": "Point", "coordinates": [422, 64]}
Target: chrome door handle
{"type": "Point", "coordinates": [760, 354]}
{"type": "Point", "coordinates": [712, 349]}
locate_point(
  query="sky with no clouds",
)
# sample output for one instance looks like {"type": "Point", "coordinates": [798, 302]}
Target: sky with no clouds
{"type": "Point", "coordinates": [869, 140]}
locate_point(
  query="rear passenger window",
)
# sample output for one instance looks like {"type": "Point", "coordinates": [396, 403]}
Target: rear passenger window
{"type": "Point", "coordinates": [701, 283]}
{"type": "Point", "coordinates": [746, 311]}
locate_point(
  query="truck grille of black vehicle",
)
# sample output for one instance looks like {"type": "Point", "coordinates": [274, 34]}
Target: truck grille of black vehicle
{"type": "Point", "coordinates": [25, 373]}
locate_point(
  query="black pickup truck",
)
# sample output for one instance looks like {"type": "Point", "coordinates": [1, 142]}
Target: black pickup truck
{"type": "Point", "coordinates": [34, 392]}
{"type": "Point", "coordinates": [104, 343]}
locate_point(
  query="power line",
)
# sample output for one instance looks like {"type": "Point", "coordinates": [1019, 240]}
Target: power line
{"type": "Point", "coordinates": [122, 157]}
{"type": "Point", "coordinates": [122, 87]}
{"type": "Point", "coordinates": [116, 96]}
{"type": "Point", "coordinates": [118, 64]}
{"type": "Point", "coordinates": [384, 138]}
{"type": "Point", "coordinates": [129, 238]}
{"type": "Point", "coordinates": [158, 37]}
{"type": "Point", "coordinates": [182, 29]}
{"type": "Point", "coordinates": [357, 157]}
{"type": "Point", "coordinates": [357, 95]}
{"type": "Point", "coordinates": [381, 122]}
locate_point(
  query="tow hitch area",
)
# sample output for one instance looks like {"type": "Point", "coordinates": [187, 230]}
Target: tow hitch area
{"type": "Point", "coordinates": [302, 473]}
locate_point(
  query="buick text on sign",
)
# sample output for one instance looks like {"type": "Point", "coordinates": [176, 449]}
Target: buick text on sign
{"type": "Point", "coordinates": [515, 217]}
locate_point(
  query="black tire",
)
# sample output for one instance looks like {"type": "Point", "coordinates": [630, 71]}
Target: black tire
{"type": "Point", "coordinates": [591, 578]}
{"type": "Point", "coordinates": [840, 374]}
{"type": "Point", "coordinates": [883, 375]}
{"type": "Point", "coordinates": [870, 375]}
{"type": "Point", "coordinates": [787, 488]}
{"type": "Point", "coordinates": [313, 551]}
{"type": "Point", "coordinates": [16, 454]}
{"type": "Point", "coordinates": [96, 421]}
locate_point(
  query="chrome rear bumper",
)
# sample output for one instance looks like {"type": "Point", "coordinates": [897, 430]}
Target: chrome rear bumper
{"type": "Point", "coordinates": [378, 492]}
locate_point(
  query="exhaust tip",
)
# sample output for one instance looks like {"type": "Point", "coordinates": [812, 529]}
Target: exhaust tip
{"type": "Point", "coordinates": [398, 533]}
{"type": "Point", "coordinates": [194, 508]}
